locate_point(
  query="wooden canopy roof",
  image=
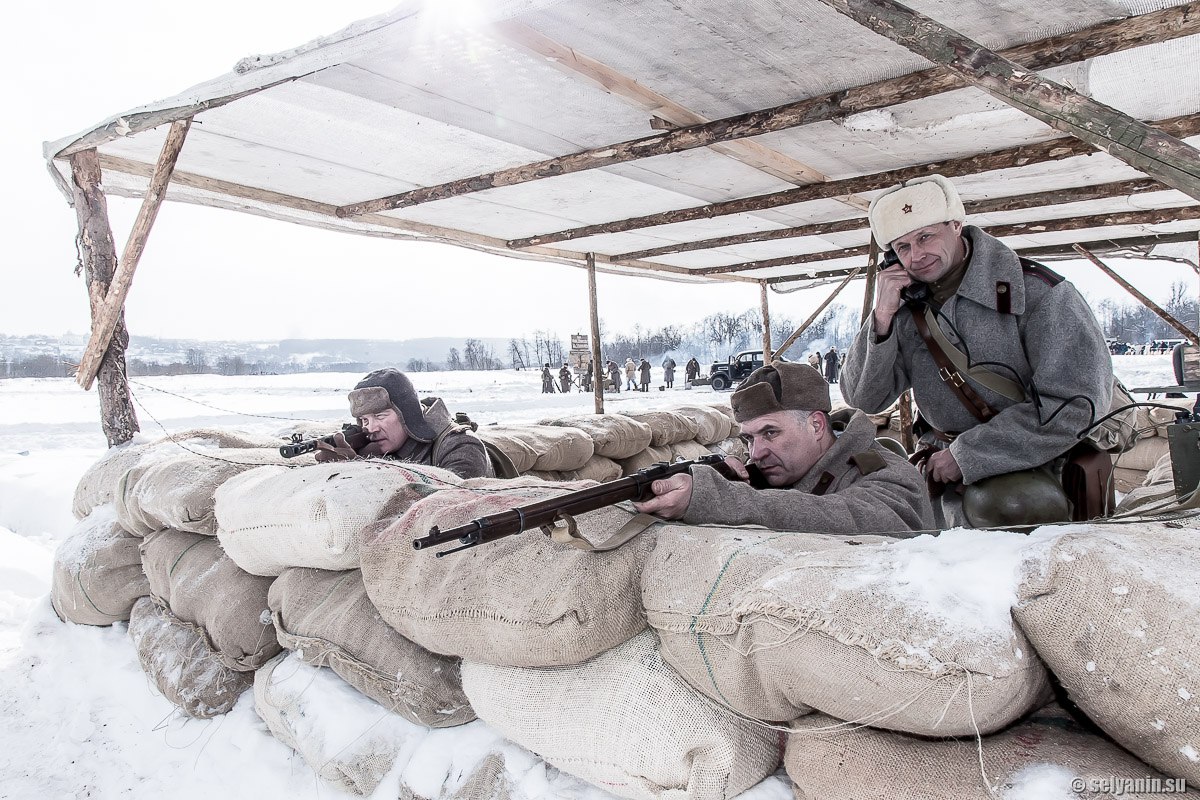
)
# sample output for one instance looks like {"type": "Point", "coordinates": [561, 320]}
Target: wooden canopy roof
{"type": "Point", "coordinates": [700, 141]}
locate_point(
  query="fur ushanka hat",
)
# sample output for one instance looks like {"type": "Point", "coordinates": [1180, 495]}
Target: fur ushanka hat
{"type": "Point", "coordinates": [391, 388]}
{"type": "Point", "coordinates": [912, 205]}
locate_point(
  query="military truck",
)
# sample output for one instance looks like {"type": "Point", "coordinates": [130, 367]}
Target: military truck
{"type": "Point", "coordinates": [727, 374]}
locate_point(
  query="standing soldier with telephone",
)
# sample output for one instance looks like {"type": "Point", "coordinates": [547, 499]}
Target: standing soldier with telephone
{"type": "Point", "coordinates": [1005, 359]}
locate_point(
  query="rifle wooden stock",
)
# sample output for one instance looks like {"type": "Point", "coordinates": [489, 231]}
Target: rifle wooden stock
{"type": "Point", "coordinates": [546, 512]}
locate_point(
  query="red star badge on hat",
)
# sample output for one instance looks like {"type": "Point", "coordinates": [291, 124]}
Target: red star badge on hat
{"type": "Point", "coordinates": [907, 209]}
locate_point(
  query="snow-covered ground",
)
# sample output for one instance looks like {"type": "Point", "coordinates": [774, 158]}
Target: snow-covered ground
{"type": "Point", "coordinates": [80, 719]}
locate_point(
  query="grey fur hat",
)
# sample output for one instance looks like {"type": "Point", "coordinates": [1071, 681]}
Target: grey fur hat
{"type": "Point", "coordinates": [391, 388]}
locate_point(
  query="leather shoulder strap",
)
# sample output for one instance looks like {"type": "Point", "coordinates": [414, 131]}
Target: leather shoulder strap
{"type": "Point", "coordinates": [949, 374]}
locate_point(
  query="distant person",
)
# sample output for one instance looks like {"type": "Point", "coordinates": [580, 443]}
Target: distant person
{"type": "Point", "coordinates": [692, 370]}
{"type": "Point", "coordinates": [832, 365]}
{"type": "Point", "coordinates": [614, 376]}
{"type": "Point", "coordinates": [547, 380]}
{"type": "Point", "coordinates": [815, 360]}
{"type": "Point", "coordinates": [565, 379]}
{"type": "Point", "coordinates": [588, 377]}
{"type": "Point", "coordinates": [644, 369]}
{"type": "Point", "coordinates": [668, 366]}
{"type": "Point", "coordinates": [631, 369]}
{"type": "Point", "coordinates": [401, 427]}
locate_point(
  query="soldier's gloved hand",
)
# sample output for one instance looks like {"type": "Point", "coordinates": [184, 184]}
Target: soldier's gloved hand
{"type": "Point", "coordinates": [889, 282]}
{"type": "Point", "coordinates": [943, 467]}
{"type": "Point", "coordinates": [340, 450]}
{"type": "Point", "coordinates": [671, 497]}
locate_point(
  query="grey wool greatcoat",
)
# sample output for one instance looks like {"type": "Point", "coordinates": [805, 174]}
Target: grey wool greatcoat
{"type": "Point", "coordinates": [870, 489]}
{"type": "Point", "coordinates": [455, 448]}
{"type": "Point", "coordinates": [1049, 338]}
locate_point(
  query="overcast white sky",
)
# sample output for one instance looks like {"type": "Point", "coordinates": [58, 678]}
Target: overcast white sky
{"type": "Point", "coordinates": [214, 274]}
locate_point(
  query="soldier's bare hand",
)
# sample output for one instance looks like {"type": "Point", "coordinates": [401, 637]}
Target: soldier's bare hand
{"type": "Point", "coordinates": [888, 284]}
{"type": "Point", "coordinates": [340, 450]}
{"type": "Point", "coordinates": [943, 467]}
{"type": "Point", "coordinates": [671, 497]}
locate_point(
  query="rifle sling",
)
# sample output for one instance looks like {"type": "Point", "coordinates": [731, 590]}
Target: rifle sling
{"type": "Point", "coordinates": [952, 363]}
{"type": "Point", "coordinates": [568, 533]}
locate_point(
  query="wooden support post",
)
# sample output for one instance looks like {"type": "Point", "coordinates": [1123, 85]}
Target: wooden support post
{"type": "Point", "coordinates": [104, 318]}
{"type": "Point", "coordinates": [804, 325]}
{"type": "Point", "coordinates": [766, 321]}
{"type": "Point", "coordinates": [98, 258]}
{"type": "Point", "coordinates": [1151, 151]}
{"type": "Point", "coordinates": [869, 289]}
{"type": "Point", "coordinates": [906, 422]}
{"type": "Point", "coordinates": [1188, 333]}
{"type": "Point", "coordinates": [598, 371]}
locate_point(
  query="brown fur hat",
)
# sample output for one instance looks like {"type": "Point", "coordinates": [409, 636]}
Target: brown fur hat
{"type": "Point", "coordinates": [391, 388]}
{"type": "Point", "coordinates": [782, 386]}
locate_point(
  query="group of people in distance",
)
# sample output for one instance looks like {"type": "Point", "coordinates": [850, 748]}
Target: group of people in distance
{"type": "Point", "coordinates": [637, 376]}
{"type": "Point", "coordinates": [1005, 360]}
{"type": "Point", "coordinates": [831, 363]}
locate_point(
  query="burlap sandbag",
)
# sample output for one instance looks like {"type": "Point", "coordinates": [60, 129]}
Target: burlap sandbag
{"type": "Point", "coordinates": [1115, 613]}
{"type": "Point", "coordinates": [733, 446]}
{"type": "Point", "coordinates": [1126, 480]}
{"type": "Point", "coordinates": [624, 721]}
{"type": "Point", "coordinates": [522, 600]}
{"type": "Point", "coordinates": [273, 518]}
{"type": "Point", "coordinates": [615, 436]}
{"type": "Point", "coordinates": [327, 618]}
{"type": "Point", "coordinates": [646, 458]}
{"type": "Point", "coordinates": [688, 450]}
{"type": "Point", "coordinates": [1039, 757]}
{"type": "Point", "coordinates": [1157, 487]}
{"type": "Point", "coordinates": [1154, 421]}
{"type": "Point", "coordinates": [1144, 455]}
{"type": "Point", "coordinates": [348, 740]}
{"type": "Point", "coordinates": [177, 491]}
{"type": "Point", "coordinates": [666, 427]}
{"type": "Point", "coordinates": [202, 586]}
{"type": "Point", "coordinates": [518, 448]}
{"type": "Point", "coordinates": [557, 447]}
{"type": "Point", "coordinates": [712, 425]}
{"type": "Point", "coordinates": [179, 662]}
{"type": "Point", "coordinates": [772, 624]}
{"type": "Point", "coordinates": [97, 572]}
{"type": "Point", "coordinates": [597, 468]}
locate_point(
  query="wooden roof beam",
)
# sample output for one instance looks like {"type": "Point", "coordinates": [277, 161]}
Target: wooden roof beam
{"type": "Point", "coordinates": [1155, 153]}
{"type": "Point", "coordinates": [1102, 39]}
{"type": "Point", "coordinates": [1010, 203]}
{"type": "Point", "coordinates": [1024, 155]}
{"type": "Point", "coordinates": [1157, 216]}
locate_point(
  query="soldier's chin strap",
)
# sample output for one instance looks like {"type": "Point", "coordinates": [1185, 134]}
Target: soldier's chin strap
{"type": "Point", "coordinates": [568, 533]}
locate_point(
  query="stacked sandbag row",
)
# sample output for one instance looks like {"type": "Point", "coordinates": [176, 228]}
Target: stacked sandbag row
{"type": "Point", "coordinates": [1130, 469]}
{"type": "Point", "coordinates": [1156, 492]}
{"type": "Point", "coordinates": [97, 574]}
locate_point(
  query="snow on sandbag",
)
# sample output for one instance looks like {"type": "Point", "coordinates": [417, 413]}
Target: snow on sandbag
{"type": "Point", "coordinates": [1157, 486]}
{"type": "Point", "coordinates": [913, 635]}
{"type": "Point", "coordinates": [518, 448]}
{"type": "Point", "coordinates": [1114, 611]}
{"type": "Point", "coordinates": [648, 457]}
{"type": "Point", "coordinates": [522, 600]}
{"type": "Point", "coordinates": [712, 424]}
{"type": "Point", "coordinates": [615, 436]}
{"type": "Point", "coordinates": [624, 721]}
{"type": "Point", "coordinates": [179, 662]}
{"type": "Point", "coordinates": [202, 586]}
{"type": "Point", "coordinates": [688, 450]}
{"type": "Point", "coordinates": [97, 571]}
{"type": "Point", "coordinates": [348, 740]}
{"type": "Point", "coordinates": [1040, 757]}
{"type": "Point", "coordinates": [327, 618]}
{"type": "Point", "coordinates": [273, 518]}
{"type": "Point", "coordinates": [177, 491]}
{"type": "Point", "coordinates": [666, 427]}
{"type": "Point", "coordinates": [733, 446]}
{"type": "Point", "coordinates": [558, 448]}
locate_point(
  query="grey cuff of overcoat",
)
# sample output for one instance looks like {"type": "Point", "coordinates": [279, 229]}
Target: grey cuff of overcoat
{"type": "Point", "coordinates": [705, 506]}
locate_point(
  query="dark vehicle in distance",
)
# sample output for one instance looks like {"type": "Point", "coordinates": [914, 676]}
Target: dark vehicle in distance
{"type": "Point", "coordinates": [727, 374]}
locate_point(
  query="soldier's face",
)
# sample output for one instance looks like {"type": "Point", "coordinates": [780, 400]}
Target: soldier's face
{"type": "Point", "coordinates": [928, 253]}
{"type": "Point", "coordinates": [785, 447]}
{"type": "Point", "coordinates": [385, 429]}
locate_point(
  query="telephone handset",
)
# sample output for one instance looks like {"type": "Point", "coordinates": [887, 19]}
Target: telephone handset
{"type": "Point", "coordinates": [916, 292]}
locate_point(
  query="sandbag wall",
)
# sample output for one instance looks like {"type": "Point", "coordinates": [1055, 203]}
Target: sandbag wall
{"type": "Point", "coordinates": [667, 668]}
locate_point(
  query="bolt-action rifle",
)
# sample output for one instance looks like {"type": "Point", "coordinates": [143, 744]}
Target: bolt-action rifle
{"type": "Point", "coordinates": [356, 437]}
{"type": "Point", "coordinates": [637, 486]}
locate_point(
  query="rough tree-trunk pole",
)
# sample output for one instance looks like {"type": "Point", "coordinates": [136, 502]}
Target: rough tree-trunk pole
{"type": "Point", "coordinates": [906, 422]}
{"type": "Point", "coordinates": [1155, 153]}
{"type": "Point", "coordinates": [104, 320]}
{"type": "Point", "coordinates": [766, 320]}
{"type": "Point", "coordinates": [1146, 301]}
{"type": "Point", "coordinates": [869, 289]}
{"type": "Point", "coordinates": [98, 258]}
{"type": "Point", "coordinates": [594, 317]}
{"type": "Point", "coordinates": [804, 325]}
